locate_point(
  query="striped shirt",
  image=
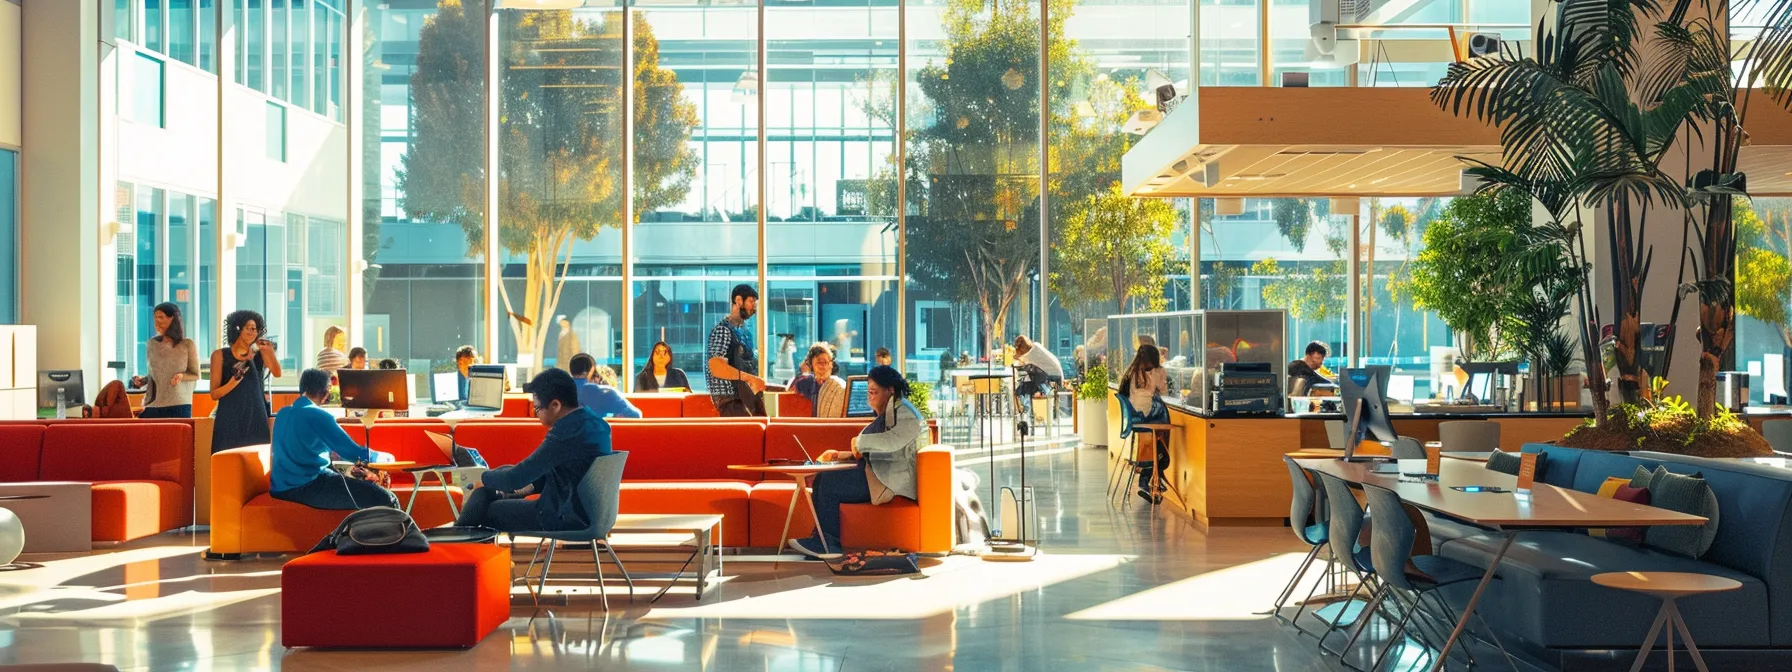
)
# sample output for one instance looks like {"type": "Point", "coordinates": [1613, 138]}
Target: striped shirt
{"type": "Point", "coordinates": [331, 359]}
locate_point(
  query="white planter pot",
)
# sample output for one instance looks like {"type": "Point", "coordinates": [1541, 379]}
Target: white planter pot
{"type": "Point", "coordinates": [1092, 421]}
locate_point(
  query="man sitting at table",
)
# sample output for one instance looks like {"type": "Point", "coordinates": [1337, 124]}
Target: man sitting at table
{"type": "Point", "coordinates": [576, 438]}
{"type": "Point", "coordinates": [602, 399]}
{"type": "Point", "coordinates": [304, 437]}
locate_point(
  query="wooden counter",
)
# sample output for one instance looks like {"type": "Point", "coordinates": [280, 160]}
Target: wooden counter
{"type": "Point", "coordinates": [1231, 471]}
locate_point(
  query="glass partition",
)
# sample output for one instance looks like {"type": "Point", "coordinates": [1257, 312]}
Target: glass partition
{"type": "Point", "coordinates": [1194, 346]}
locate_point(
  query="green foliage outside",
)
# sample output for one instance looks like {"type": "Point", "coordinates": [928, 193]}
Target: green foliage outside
{"type": "Point", "coordinates": [1459, 272]}
{"type": "Point", "coordinates": [1316, 293]}
{"type": "Point", "coordinates": [1763, 271]}
{"type": "Point", "coordinates": [560, 141]}
{"type": "Point", "coordinates": [921, 395]}
{"type": "Point", "coordinates": [1095, 384]}
{"type": "Point", "coordinates": [1115, 249]}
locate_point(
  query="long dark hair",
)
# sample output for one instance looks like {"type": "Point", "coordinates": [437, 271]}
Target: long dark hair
{"type": "Point", "coordinates": [233, 325]}
{"type": "Point", "coordinates": [175, 333]}
{"type": "Point", "coordinates": [1143, 363]}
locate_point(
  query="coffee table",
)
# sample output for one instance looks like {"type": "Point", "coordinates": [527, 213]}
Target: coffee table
{"type": "Point", "coordinates": [58, 513]}
{"type": "Point", "coordinates": [1669, 586]}
{"type": "Point", "coordinates": [12, 535]}
{"type": "Point", "coordinates": [687, 536]}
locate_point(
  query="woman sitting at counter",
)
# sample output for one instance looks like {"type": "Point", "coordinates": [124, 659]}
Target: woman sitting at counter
{"type": "Point", "coordinates": [1144, 381]}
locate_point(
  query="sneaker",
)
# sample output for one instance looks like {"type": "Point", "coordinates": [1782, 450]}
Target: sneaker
{"type": "Point", "coordinates": [810, 547]}
{"type": "Point", "coordinates": [1146, 495]}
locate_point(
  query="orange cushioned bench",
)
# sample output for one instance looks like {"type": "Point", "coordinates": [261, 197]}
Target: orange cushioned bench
{"type": "Point", "coordinates": [247, 519]}
{"type": "Point", "coordinates": [452, 596]}
{"type": "Point", "coordinates": [675, 466]}
{"type": "Point", "coordinates": [141, 471]}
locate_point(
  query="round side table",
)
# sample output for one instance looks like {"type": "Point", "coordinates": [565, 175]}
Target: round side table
{"type": "Point", "coordinates": [1669, 586]}
{"type": "Point", "coordinates": [12, 536]}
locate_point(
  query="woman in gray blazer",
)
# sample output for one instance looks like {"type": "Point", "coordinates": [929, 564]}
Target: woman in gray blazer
{"type": "Point", "coordinates": [885, 453]}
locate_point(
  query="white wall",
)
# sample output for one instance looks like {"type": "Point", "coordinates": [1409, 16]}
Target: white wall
{"type": "Point", "coordinates": [11, 69]}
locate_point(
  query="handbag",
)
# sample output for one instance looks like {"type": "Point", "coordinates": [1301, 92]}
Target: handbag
{"type": "Point", "coordinates": [875, 563]}
{"type": "Point", "coordinates": [375, 531]}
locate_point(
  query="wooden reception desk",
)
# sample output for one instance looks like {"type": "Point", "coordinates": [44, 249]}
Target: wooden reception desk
{"type": "Point", "coordinates": [1230, 470]}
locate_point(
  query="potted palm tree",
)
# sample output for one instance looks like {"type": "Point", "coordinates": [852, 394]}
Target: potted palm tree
{"type": "Point", "coordinates": [1092, 406]}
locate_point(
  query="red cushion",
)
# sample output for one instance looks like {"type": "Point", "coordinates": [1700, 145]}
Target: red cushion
{"type": "Point", "coordinates": [688, 451]}
{"type": "Point", "coordinates": [121, 451]}
{"type": "Point", "coordinates": [730, 499]}
{"type": "Point", "coordinates": [126, 510]}
{"type": "Point", "coordinates": [21, 449]}
{"type": "Point", "coordinates": [658, 405]}
{"type": "Point", "coordinates": [781, 437]}
{"type": "Point", "coordinates": [452, 596]}
{"type": "Point", "coordinates": [501, 443]}
{"type": "Point", "coordinates": [699, 405]}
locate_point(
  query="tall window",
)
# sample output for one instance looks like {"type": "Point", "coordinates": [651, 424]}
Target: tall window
{"type": "Point", "coordinates": [425, 197]}
{"type": "Point", "coordinates": [1764, 294]}
{"type": "Point", "coordinates": [696, 177]}
{"type": "Point", "coordinates": [146, 91]}
{"type": "Point", "coordinates": [1286, 254]}
{"type": "Point", "coordinates": [167, 255]}
{"type": "Point", "coordinates": [9, 236]}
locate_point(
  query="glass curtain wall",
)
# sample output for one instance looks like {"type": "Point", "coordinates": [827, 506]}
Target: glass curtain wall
{"type": "Point", "coordinates": [831, 231]}
{"type": "Point", "coordinates": [9, 236]}
{"type": "Point", "coordinates": [424, 190]}
{"type": "Point", "coordinates": [696, 174]}
{"type": "Point", "coordinates": [560, 208]}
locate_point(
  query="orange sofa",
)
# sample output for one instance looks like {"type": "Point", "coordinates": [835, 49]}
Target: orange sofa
{"type": "Point", "coordinates": [141, 471]}
{"type": "Point", "coordinates": [675, 466]}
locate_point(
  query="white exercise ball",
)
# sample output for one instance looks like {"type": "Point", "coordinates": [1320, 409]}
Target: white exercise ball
{"type": "Point", "coordinates": [12, 537]}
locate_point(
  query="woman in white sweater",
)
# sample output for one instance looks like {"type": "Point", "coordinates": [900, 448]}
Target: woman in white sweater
{"type": "Point", "coordinates": [173, 368]}
{"type": "Point", "coordinates": [1143, 382]}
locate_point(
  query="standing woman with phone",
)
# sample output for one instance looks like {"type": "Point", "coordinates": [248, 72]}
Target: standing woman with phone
{"type": "Point", "coordinates": [173, 368]}
{"type": "Point", "coordinates": [238, 374]}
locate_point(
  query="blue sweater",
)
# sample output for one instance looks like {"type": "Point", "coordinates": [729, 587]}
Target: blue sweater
{"type": "Point", "coordinates": [556, 467]}
{"type": "Point", "coordinates": [304, 437]}
{"type": "Point", "coordinates": [604, 400]}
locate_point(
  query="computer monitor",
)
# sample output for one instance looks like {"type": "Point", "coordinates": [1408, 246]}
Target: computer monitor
{"type": "Point", "coordinates": [69, 381]}
{"type": "Point", "coordinates": [858, 397]}
{"type": "Point", "coordinates": [1365, 408]}
{"type": "Point", "coordinates": [383, 389]}
{"type": "Point", "coordinates": [444, 388]}
{"type": "Point", "coordinates": [485, 387]}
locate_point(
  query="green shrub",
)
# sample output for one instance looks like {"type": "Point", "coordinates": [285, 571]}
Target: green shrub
{"type": "Point", "coordinates": [1095, 384]}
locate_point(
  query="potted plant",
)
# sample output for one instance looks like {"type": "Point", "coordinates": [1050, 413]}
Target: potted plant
{"type": "Point", "coordinates": [1092, 406]}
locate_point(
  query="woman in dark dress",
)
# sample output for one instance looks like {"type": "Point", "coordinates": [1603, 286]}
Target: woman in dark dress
{"type": "Point", "coordinates": [239, 374]}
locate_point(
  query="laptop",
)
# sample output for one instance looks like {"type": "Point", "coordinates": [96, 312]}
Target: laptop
{"type": "Point", "coordinates": [811, 457]}
{"type": "Point", "coordinates": [458, 456]}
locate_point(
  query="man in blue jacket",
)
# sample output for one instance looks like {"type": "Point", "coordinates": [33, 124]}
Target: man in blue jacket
{"type": "Point", "coordinates": [576, 437]}
{"type": "Point", "coordinates": [602, 399]}
{"type": "Point", "coordinates": [304, 438]}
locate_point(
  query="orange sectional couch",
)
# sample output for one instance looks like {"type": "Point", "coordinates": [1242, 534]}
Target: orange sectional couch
{"type": "Point", "coordinates": [141, 471]}
{"type": "Point", "coordinates": [675, 466]}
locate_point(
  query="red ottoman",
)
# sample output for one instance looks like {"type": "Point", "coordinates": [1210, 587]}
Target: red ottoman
{"type": "Point", "coordinates": [452, 596]}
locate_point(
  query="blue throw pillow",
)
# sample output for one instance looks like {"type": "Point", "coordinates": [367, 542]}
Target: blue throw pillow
{"type": "Point", "coordinates": [1685, 494]}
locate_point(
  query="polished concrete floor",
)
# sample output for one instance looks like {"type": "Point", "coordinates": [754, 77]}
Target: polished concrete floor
{"type": "Point", "coordinates": [1115, 588]}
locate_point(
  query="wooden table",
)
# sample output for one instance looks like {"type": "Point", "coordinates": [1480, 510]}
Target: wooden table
{"type": "Point", "coordinates": [1669, 586]}
{"type": "Point", "coordinates": [802, 474]}
{"type": "Point", "coordinates": [1506, 514]}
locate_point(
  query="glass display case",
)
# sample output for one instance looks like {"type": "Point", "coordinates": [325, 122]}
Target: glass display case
{"type": "Point", "coordinates": [1193, 345]}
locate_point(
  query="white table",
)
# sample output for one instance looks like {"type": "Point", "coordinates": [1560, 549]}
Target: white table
{"type": "Point", "coordinates": [62, 522]}
{"type": "Point", "coordinates": [686, 536]}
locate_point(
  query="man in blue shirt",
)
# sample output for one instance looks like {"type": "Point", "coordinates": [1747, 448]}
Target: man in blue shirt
{"type": "Point", "coordinates": [304, 438]}
{"type": "Point", "coordinates": [602, 399]}
{"type": "Point", "coordinates": [576, 438]}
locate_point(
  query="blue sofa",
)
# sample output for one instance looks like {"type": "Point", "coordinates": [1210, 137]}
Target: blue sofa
{"type": "Point", "coordinates": [1545, 604]}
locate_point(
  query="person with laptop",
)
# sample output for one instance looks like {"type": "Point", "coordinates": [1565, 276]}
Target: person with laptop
{"type": "Point", "coordinates": [732, 358]}
{"type": "Point", "coordinates": [885, 454]}
{"type": "Point", "coordinates": [1040, 367]}
{"type": "Point", "coordinates": [304, 438]}
{"type": "Point", "coordinates": [576, 437]}
{"type": "Point", "coordinates": [603, 399]}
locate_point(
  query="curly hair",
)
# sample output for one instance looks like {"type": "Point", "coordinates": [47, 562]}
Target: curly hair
{"type": "Point", "coordinates": [233, 325]}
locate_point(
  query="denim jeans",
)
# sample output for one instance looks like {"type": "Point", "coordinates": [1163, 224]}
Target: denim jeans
{"type": "Point", "coordinates": [833, 488]}
{"type": "Point", "coordinates": [339, 493]}
{"type": "Point", "coordinates": [181, 411]}
{"type": "Point", "coordinates": [488, 508]}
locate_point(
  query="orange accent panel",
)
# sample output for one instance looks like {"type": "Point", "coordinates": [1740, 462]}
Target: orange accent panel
{"type": "Point", "coordinates": [517, 407]}
{"type": "Point", "coordinates": [501, 443]}
{"type": "Point", "coordinates": [699, 405]}
{"type": "Point", "coordinates": [934, 488]}
{"type": "Point", "coordinates": [126, 510]}
{"type": "Point", "coordinates": [896, 524]}
{"type": "Point", "coordinates": [657, 405]}
{"type": "Point", "coordinates": [203, 405]}
{"type": "Point", "coordinates": [794, 405]}
{"type": "Point", "coordinates": [284, 399]}
{"type": "Point", "coordinates": [770, 504]}
{"type": "Point", "coordinates": [731, 499]}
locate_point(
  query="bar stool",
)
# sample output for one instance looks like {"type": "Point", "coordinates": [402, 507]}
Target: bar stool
{"type": "Point", "coordinates": [1669, 586]}
{"type": "Point", "coordinates": [1131, 465]}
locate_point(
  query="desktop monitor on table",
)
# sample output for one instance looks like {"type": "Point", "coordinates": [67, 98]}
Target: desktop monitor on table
{"type": "Point", "coordinates": [1365, 407]}
{"type": "Point", "coordinates": [444, 387]}
{"type": "Point", "coordinates": [381, 389]}
{"type": "Point", "coordinates": [48, 382]}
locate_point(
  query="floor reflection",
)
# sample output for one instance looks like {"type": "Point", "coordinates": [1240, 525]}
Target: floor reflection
{"type": "Point", "coordinates": [1116, 589]}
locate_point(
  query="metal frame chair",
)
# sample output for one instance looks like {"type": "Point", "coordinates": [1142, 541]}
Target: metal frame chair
{"type": "Point", "coordinates": [600, 492]}
{"type": "Point", "coordinates": [1130, 428]}
{"type": "Point", "coordinates": [1306, 518]}
{"type": "Point", "coordinates": [1344, 521]}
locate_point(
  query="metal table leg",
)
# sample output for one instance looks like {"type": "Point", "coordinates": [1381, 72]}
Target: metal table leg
{"type": "Point", "coordinates": [1443, 657]}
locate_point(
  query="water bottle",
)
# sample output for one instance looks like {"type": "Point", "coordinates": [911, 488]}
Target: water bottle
{"type": "Point", "coordinates": [61, 404]}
